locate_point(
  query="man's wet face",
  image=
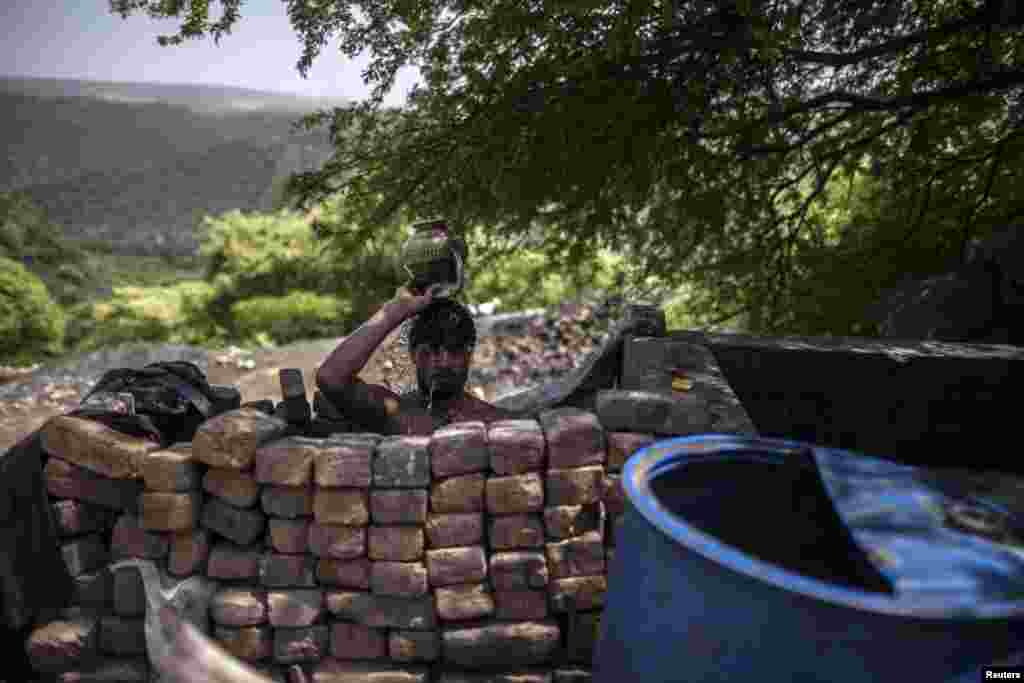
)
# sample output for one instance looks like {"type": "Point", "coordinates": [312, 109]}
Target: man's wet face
{"type": "Point", "coordinates": [441, 370]}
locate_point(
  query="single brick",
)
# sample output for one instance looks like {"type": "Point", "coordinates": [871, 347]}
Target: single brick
{"type": "Point", "coordinates": [294, 608]}
{"type": "Point", "coordinates": [239, 607]}
{"type": "Point", "coordinates": [613, 495]}
{"type": "Point", "coordinates": [94, 589]}
{"type": "Point", "coordinates": [288, 501]}
{"type": "Point", "coordinates": [401, 579]}
{"type": "Point", "coordinates": [287, 461]}
{"type": "Point", "coordinates": [170, 469]}
{"type": "Point", "coordinates": [166, 511]}
{"type": "Point", "coordinates": [414, 646]}
{"type": "Point", "coordinates": [288, 535]}
{"type": "Point", "coordinates": [622, 445]}
{"type": "Point", "coordinates": [395, 543]}
{"type": "Point", "coordinates": [575, 438]}
{"type": "Point", "coordinates": [95, 446]}
{"type": "Point", "coordinates": [341, 506]}
{"type": "Point", "coordinates": [398, 506]}
{"type": "Point", "coordinates": [520, 676]}
{"type": "Point", "coordinates": [521, 605]}
{"type": "Point", "coordinates": [382, 611]}
{"type": "Point", "coordinates": [231, 439]}
{"type": "Point", "coordinates": [248, 643]}
{"type": "Point", "coordinates": [516, 531]}
{"type": "Point", "coordinates": [449, 566]}
{"type": "Point", "coordinates": [122, 636]}
{"type": "Point", "coordinates": [577, 486]}
{"type": "Point", "coordinates": [514, 494]}
{"type": "Point", "coordinates": [402, 462]}
{"type": "Point", "coordinates": [467, 601]}
{"type": "Point", "coordinates": [74, 518]}
{"type": "Point", "coordinates": [188, 552]}
{"type": "Point", "coordinates": [582, 637]}
{"type": "Point", "coordinates": [129, 539]}
{"type": "Point", "coordinates": [237, 488]}
{"type": "Point", "coordinates": [356, 641]}
{"type": "Point", "coordinates": [337, 542]}
{"type": "Point", "coordinates": [287, 571]}
{"type": "Point", "coordinates": [459, 448]}
{"type": "Point", "coordinates": [84, 554]}
{"type": "Point", "coordinates": [566, 521]}
{"type": "Point", "coordinates": [110, 670]}
{"type": "Point", "coordinates": [515, 446]}
{"type": "Point", "coordinates": [334, 671]}
{"type": "Point", "coordinates": [675, 413]}
{"type": "Point", "coordinates": [237, 524]}
{"type": "Point", "coordinates": [580, 556]}
{"type": "Point", "coordinates": [64, 644]}
{"type": "Point", "coordinates": [129, 592]}
{"type": "Point", "coordinates": [345, 460]}
{"type": "Point", "coordinates": [518, 570]}
{"type": "Point", "coordinates": [455, 529]}
{"type": "Point", "coordinates": [501, 644]}
{"type": "Point", "coordinates": [230, 561]}
{"type": "Point", "coordinates": [64, 480]}
{"type": "Point", "coordinates": [306, 644]}
{"type": "Point", "coordinates": [344, 573]}
{"type": "Point", "coordinates": [458, 494]}
{"type": "Point", "coordinates": [587, 592]}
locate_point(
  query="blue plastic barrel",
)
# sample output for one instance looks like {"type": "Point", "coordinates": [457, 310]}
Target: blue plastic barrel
{"type": "Point", "coordinates": [732, 565]}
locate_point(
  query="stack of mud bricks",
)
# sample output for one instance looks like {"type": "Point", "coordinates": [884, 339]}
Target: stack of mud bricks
{"type": "Point", "coordinates": [479, 553]}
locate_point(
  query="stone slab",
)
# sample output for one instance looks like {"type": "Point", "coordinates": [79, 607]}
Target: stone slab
{"type": "Point", "coordinates": [402, 462]}
{"type": "Point", "coordinates": [235, 487]}
{"type": "Point", "coordinates": [459, 448]}
{"type": "Point", "coordinates": [382, 611]}
{"type": "Point", "coordinates": [231, 439]}
{"type": "Point", "coordinates": [515, 446]}
{"type": "Point", "coordinates": [95, 446]}
{"type": "Point", "coordinates": [170, 469]}
{"type": "Point", "coordinates": [501, 644]}
{"type": "Point", "coordinates": [574, 438]}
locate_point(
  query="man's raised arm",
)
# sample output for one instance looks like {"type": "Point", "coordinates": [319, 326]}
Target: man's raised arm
{"type": "Point", "coordinates": [337, 377]}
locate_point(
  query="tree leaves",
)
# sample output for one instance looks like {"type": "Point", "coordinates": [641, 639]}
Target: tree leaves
{"type": "Point", "coordinates": [707, 141]}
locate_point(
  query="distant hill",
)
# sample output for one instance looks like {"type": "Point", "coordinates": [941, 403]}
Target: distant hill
{"type": "Point", "coordinates": [133, 164]}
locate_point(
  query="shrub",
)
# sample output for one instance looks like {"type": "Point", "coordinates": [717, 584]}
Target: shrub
{"type": "Point", "coordinates": [31, 324]}
{"type": "Point", "coordinates": [155, 314]}
{"type": "Point", "coordinates": [296, 316]}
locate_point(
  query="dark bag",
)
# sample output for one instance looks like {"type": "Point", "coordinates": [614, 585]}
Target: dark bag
{"type": "Point", "coordinates": [164, 401]}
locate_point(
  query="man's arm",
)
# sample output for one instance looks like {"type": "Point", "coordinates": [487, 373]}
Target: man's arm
{"type": "Point", "coordinates": [337, 377]}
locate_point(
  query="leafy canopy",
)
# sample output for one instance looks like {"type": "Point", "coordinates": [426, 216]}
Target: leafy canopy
{"type": "Point", "coordinates": [714, 143]}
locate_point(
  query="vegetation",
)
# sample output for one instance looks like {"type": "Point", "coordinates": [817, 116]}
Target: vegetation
{"type": "Point", "coordinates": [713, 145]}
{"type": "Point", "coordinates": [31, 324]}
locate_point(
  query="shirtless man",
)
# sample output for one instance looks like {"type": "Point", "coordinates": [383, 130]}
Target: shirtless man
{"type": "Point", "coordinates": [441, 343]}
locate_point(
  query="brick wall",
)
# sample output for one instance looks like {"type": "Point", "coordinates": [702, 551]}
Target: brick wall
{"type": "Point", "coordinates": [477, 553]}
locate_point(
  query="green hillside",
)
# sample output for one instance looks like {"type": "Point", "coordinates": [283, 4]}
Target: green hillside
{"type": "Point", "coordinates": [132, 167]}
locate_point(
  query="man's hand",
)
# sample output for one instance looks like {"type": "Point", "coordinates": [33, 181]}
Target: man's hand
{"type": "Point", "coordinates": [412, 303]}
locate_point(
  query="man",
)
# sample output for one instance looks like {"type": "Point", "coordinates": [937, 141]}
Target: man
{"type": "Point", "coordinates": [441, 343]}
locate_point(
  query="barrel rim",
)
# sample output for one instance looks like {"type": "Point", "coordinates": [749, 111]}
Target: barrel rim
{"type": "Point", "coordinates": [660, 456]}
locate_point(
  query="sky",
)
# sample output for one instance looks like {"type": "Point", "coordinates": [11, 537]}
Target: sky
{"type": "Point", "coordinates": [82, 39]}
